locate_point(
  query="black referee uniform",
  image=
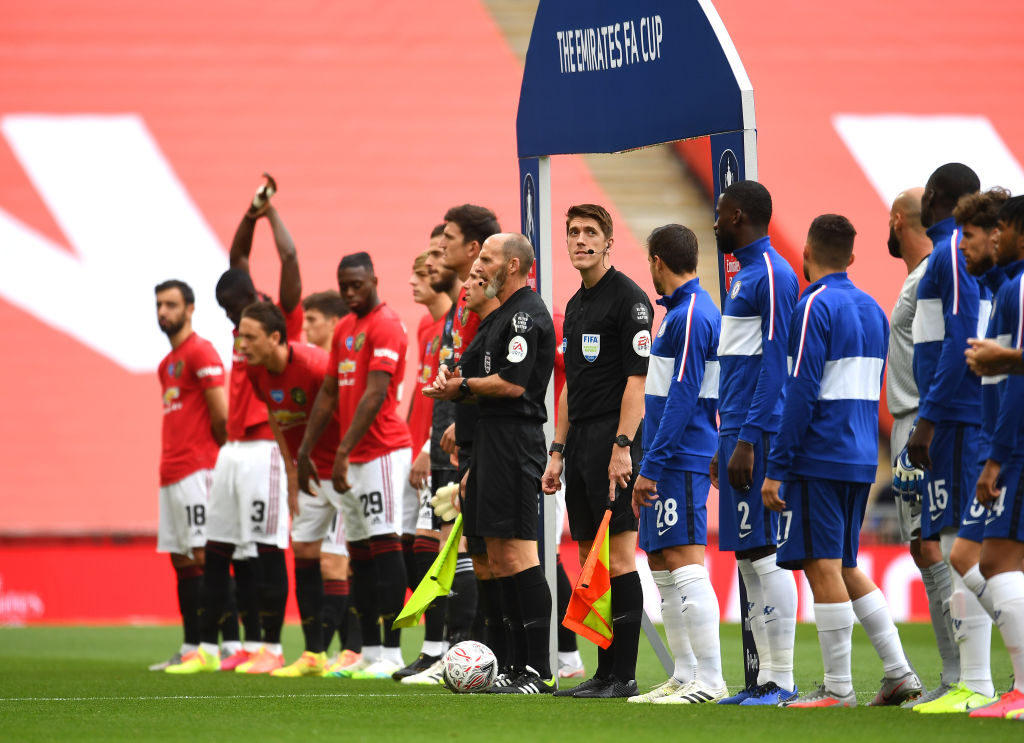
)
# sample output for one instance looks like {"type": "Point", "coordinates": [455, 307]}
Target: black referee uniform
{"type": "Point", "coordinates": [608, 339]}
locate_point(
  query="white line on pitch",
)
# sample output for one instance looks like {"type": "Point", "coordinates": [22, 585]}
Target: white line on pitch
{"type": "Point", "coordinates": [186, 696]}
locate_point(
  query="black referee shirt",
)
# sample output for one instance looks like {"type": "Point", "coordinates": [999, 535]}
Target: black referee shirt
{"type": "Point", "coordinates": [607, 339]}
{"type": "Point", "coordinates": [469, 366]}
{"type": "Point", "coordinates": [519, 346]}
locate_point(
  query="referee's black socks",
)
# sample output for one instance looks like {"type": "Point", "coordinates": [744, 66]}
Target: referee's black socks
{"type": "Point", "coordinates": [512, 620]}
{"type": "Point", "coordinates": [627, 611]}
{"type": "Point", "coordinates": [535, 605]}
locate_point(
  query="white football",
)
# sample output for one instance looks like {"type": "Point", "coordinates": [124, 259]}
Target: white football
{"type": "Point", "coordinates": [469, 667]}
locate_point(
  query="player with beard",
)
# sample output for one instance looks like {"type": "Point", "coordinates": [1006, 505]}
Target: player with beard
{"type": "Point", "coordinates": [372, 459]}
{"type": "Point", "coordinates": [194, 428]}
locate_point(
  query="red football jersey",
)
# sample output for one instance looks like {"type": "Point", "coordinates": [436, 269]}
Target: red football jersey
{"type": "Point", "coordinates": [421, 410]}
{"type": "Point", "coordinates": [375, 342]}
{"type": "Point", "coordinates": [247, 416]}
{"type": "Point", "coordinates": [290, 396]}
{"type": "Point", "coordinates": [188, 444]}
{"type": "Point", "coordinates": [558, 318]}
{"type": "Point", "coordinates": [464, 325]}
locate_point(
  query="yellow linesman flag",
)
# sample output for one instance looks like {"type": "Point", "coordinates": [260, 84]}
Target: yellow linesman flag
{"type": "Point", "coordinates": [590, 606]}
{"type": "Point", "coordinates": [437, 581]}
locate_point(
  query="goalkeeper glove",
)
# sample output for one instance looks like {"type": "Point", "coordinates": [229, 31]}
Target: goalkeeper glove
{"type": "Point", "coordinates": [442, 502]}
{"type": "Point", "coordinates": [906, 478]}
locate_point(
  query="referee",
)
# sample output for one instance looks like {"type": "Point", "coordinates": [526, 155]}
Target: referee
{"type": "Point", "coordinates": [516, 362]}
{"type": "Point", "coordinates": [607, 345]}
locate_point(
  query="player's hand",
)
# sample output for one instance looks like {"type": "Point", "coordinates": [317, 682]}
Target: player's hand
{"type": "Point", "coordinates": [419, 473]}
{"type": "Point", "coordinates": [645, 492]}
{"type": "Point", "coordinates": [551, 482]}
{"type": "Point", "coordinates": [713, 471]}
{"type": "Point", "coordinates": [987, 490]}
{"type": "Point", "coordinates": [306, 471]}
{"type": "Point", "coordinates": [770, 495]}
{"type": "Point", "coordinates": [741, 466]}
{"type": "Point", "coordinates": [986, 357]}
{"type": "Point", "coordinates": [906, 478]}
{"type": "Point", "coordinates": [448, 439]}
{"type": "Point", "coordinates": [261, 201]}
{"type": "Point", "coordinates": [443, 501]}
{"type": "Point", "coordinates": [339, 475]}
{"type": "Point", "coordinates": [919, 443]}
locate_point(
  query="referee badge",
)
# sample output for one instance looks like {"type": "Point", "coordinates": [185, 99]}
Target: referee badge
{"type": "Point", "coordinates": [517, 349]}
{"type": "Point", "coordinates": [487, 362]}
{"type": "Point", "coordinates": [591, 346]}
{"type": "Point", "coordinates": [640, 312]}
{"type": "Point", "coordinates": [521, 322]}
{"type": "Point", "coordinates": [642, 343]}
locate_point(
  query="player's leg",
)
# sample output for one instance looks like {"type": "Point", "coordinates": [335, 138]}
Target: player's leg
{"type": "Point", "coordinates": [674, 532]}
{"type": "Point", "coordinates": [1001, 554]}
{"type": "Point", "coordinates": [972, 622]}
{"type": "Point", "coordinates": [222, 533]}
{"type": "Point", "coordinates": [812, 533]}
{"type": "Point", "coordinates": [935, 573]}
{"type": "Point", "coordinates": [377, 486]}
{"type": "Point", "coordinates": [245, 568]}
{"type": "Point", "coordinates": [334, 569]}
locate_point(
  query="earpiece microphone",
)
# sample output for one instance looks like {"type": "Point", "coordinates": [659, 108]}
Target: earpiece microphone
{"type": "Point", "coordinates": [591, 251]}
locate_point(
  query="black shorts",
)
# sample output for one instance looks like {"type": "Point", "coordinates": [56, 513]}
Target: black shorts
{"type": "Point", "coordinates": [587, 451]}
{"type": "Point", "coordinates": [474, 545]}
{"type": "Point", "coordinates": [438, 479]}
{"type": "Point", "coordinates": [504, 481]}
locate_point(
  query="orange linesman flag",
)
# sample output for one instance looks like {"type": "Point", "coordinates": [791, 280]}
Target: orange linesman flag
{"type": "Point", "coordinates": [590, 606]}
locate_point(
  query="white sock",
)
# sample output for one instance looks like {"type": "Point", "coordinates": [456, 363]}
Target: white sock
{"type": "Point", "coordinates": [835, 635]}
{"type": "Point", "coordinates": [975, 581]}
{"type": "Point", "coordinates": [701, 618]}
{"type": "Point", "coordinates": [675, 630]}
{"type": "Point", "coordinates": [873, 612]}
{"type": "Point", "coordinates": [571, 658]}
{"type": "Point", "coordinates": [778, 589]}
{"type": "Point", "coordinates": [938, 586]}
{"type": "Point", "coordinates": [252, 647]}
{"type": "Point", "coordinates": [755, 617]}
{"type": "Point", "coordinates": [972, 629]}
{"type": "Point", "coordinates": [209, 647]}
{"type": "Point", "coordinates": [232, 646]}
{"type": "Point", "coordinates": [372, 653]}
{"type": "Point", "coordinates": [432, 647]}
{"type": "Point", "coordinates": [274, 647]}
{"type": "Point", "coordinates": [393, 655]}
{"type": "Point", "coordinates": [188, 647]}
{"type": "Point", "coordinates": [1008, 599]}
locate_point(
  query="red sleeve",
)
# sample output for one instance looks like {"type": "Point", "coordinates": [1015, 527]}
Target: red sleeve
{"type": "Point", "coordinates": [387, 346]}
{"type": "Point", "coordinates": [207, 366]}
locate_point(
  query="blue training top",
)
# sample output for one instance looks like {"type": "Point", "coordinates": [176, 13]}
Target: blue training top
{"type": "Point", "coordinates": [1007, 319]}
{"type": "Point", "coordinates": [681, 393]}
{"type": "Point", "coordinates": [837, 354]}
{"type": "Point", "coordinates": [752, 348]}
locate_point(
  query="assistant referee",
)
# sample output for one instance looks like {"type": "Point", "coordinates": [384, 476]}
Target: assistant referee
{"type": "Point", "coordinates": [606, 346]}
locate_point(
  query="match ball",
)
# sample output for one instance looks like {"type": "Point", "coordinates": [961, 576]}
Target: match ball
{"type": "Point", "coordinates": [469, 667]}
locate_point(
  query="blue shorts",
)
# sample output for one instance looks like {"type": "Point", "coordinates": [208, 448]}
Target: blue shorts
{"type": "Point", "coordinates": [680, 515]}
{"type": "Point", "coordinates": [743, 521]}
{"type": "Point", "coordinates": [972, 520]}
{"type": "Point", "coordinates": [949, 485]}
{"type": "Point", "coordinates": [1005, 520]}
{"type": "Point", "coordinates": [822, 520]}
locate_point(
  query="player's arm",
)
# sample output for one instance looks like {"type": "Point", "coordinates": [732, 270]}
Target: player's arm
{"type": "Point", "coordinates": [959, 294]}
{"type": "Point", "coordinates": [369, 405]}
{"type": "Point", "coordinates": [319, 417]}
{"type": "Point", "coordinates": [776, 299]}
{"type": "Point", "coordinates": [809, 349]}
{"type": "Point", "coordinates": [551, 482]}
{"type": "Point", "coordinates": [217, 405]}
{"type": "Point", "coordinates": [241, 243]}
{"type": "Point", "coordinates": [289, 464]}
{"type": "Point", "coordinates": [986, 357]}
{"type": "Point", "coordinates": [290, 288]}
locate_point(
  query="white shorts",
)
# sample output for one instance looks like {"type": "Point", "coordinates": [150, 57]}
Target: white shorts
{"type": "Point", "coordinates": [908, 515]}
{"type": "Point", "coordinates": [183, 504]}
{"type": "Point", "coordinates": [373, 507]}
{"type": "Point", "coordinates": [249, 496]}
{"type": "Point", "coordinates": [417, 513]}
{"type": "Point", "coordinates": [319, 519]}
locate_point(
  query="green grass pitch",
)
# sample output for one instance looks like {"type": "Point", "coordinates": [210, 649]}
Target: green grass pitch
{"type": "Point", "coordinates": [91, 683]}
